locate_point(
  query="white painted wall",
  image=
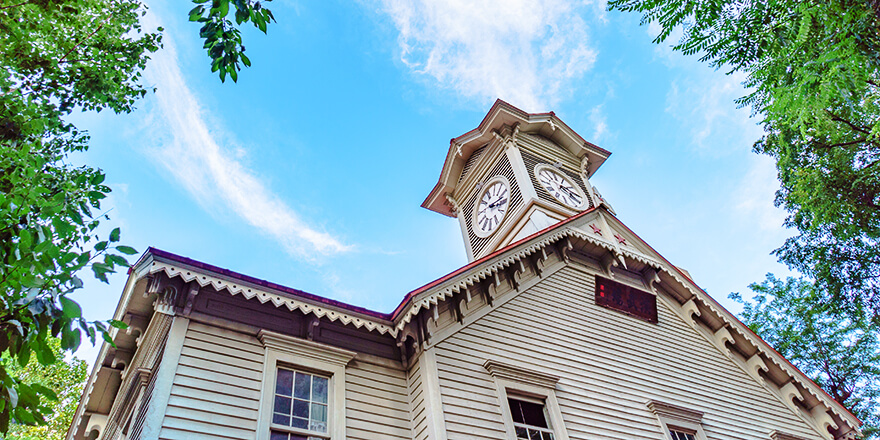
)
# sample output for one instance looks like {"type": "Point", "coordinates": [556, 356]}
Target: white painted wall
{"type": "Point", "coordinates": [610, 365]}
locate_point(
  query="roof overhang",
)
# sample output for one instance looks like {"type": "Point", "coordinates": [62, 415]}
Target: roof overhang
{"type": "Point", "coordinates": [503, 114]}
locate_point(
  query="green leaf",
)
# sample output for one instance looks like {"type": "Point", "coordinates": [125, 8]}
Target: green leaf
{"type": "Point", "coordinates": [126, 250]}
{"type": "Point", "coordinates": [118, 324]}
{"type": "Point", "coordinates": [114, 235]}
{"type": "Point", "coordinates": [117, 260]}
{"type": "Point", "coordinates": [70, 308]}
{"type": "Point", "coordinates": [47, 392]}
{"type": "Point", "coordinates": [13, 396]}
{"type": "Point", "coordinates": [26, 240]}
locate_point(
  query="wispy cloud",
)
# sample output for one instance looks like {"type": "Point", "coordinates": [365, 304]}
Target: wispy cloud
{"type": "Point", "coordinates": [757, 192]}
{"type": "Point", "coordinates": [703, 100]}
{"type": "Point", "coordinates": [214, 174]}
{"type": "Point", "coordinates": [600, 123]}
{"type": "Point", "coordinates": [529, 53]}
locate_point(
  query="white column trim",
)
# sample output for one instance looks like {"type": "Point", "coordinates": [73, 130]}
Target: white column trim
{"type": "Point", "coordinates": [433, 403]}
{"type": "Point", "coordinates": [155, 414]}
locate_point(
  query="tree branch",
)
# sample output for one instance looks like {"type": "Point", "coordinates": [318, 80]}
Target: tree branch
{"type": "Point", "coordinates": [61, 60]}
{"type": "Point", "coordinates": [850, 124]}
{"type": "Point", "coordinates": [14, 6]}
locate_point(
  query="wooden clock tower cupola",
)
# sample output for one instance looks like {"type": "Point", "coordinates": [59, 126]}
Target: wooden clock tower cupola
{"type": "Point", "coordinates": [515, 174]}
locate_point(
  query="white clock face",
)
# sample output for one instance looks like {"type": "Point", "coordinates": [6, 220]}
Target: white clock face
{"type": "Point", "coordinates": [492, 206]}
{"type": "Point", "coordinates": [560, 188]}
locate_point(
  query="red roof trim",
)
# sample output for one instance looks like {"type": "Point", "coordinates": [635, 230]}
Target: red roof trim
{"type": "Point", "coordinates": [474, 263]}
{"type": "Point", "coordinates": [299, 293]}
{"type": "Point", "coordinates": [717, 304]}
{"type": "Point", "coordinates": [390, 316]}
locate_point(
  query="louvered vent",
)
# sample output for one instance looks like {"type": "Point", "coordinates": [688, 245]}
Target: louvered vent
{"type": "Point", "coordinates": [531, 161]}
{"type": "Point", "coordinates": [502, 167]}
{"type": "Point", "coordinates": [537, 138]}
{"type": "Point", "coordinates": [471, 162]}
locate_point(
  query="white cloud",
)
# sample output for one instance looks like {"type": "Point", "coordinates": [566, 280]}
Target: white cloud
{"type": "Point", "coordinates": [213, 173]}
{"type": "Point", "coordinates": [757, 192]}
{"type": "Point", "coordinates": [528, 53]}
{"type": "Point", "coordinates": [703, 100]}
{"type": "Point", "coordinates": [600, 123]}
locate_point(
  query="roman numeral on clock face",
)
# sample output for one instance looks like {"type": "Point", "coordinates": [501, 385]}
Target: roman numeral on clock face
{"type": "Point", "coordinates": [560, 188]}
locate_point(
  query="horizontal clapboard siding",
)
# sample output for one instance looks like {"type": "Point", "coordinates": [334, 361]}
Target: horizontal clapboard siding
{"type": "Point", "coordinates": [610, 365]}
{"type": "Point", "coordinates": [418, 418]}
{"type": "Point", "coordinates": [377, 401]}
{"type": "Point", "coordinates": [216, 391]}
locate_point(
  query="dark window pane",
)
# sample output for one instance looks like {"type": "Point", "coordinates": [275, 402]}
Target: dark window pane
{"type": "Point", "coordinates": [302, 386]}
{"type": "Point", "coordinates": [547, 436]}
{"type": "Point", "coordinates": [301, 408]}
{"type": "Point", "coordinates": [319, 389]}
{"type": "Point", "coordinates": [284, 383]}
{"type": "Point", "coordinates": [282, 405]}
{"type": "Point", "coordinates": [680, 435]}
{"type": "Point", "coordinates": [522, 433]}
{"type": "Point", "coordinates": [278, 436]}
{"type": "Point", "coordinates": [296, 422]}
{"type": "Point", "coordinates": [527, 413]}
{"type": "Point", "coordinates": [281, 419]}
{"type": "Point", "coordinates": [534, 434]}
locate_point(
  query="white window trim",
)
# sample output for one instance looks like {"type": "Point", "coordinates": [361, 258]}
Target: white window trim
{"type": "Point", "coordinates": [777, 435]}
{"type": "Point", "coordinates": [294, 353]}
{"type": "Point", "coordinates": [526, 383]}
{"type": "Point", "coordinates": [674, 416]}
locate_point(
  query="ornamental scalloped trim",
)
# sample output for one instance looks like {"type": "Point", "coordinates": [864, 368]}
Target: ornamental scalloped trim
{"type": "Point", "coordinates": [220, 284]}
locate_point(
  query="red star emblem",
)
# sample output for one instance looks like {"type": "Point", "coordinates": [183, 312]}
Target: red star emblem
{"type": "Point", "coordinates": [620, 239]}
{"type": "Point", "coordinates": [596, 230]}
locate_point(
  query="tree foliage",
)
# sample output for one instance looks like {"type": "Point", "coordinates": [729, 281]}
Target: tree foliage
{"type": "Point", "coordinates": [66, 379]}
{"type": "Point", "coordinates": [840, 354]}
{"type": "Point", "coordinates": [812, 68]}
{"type": "Point", "coordinates": [57, 56]}
{"type": "Point", "coordinates": [223, 38]}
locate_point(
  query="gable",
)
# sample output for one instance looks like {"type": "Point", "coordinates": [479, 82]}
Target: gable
{"type": "Point", "coordinates": [451, 304]}
{"type": "Point", "coordinates": [610, 364]}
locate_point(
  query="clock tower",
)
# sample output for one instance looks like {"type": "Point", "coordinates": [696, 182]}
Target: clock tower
{"type": "Point", "coordinates": [515, 174]}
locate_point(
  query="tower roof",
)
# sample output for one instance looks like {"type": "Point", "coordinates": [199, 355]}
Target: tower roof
{"type": "Point", "coordinates": [503, 114]}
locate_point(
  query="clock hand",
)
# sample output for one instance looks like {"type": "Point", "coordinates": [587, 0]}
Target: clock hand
{"type": "Point", "coordinates": [500, 202]}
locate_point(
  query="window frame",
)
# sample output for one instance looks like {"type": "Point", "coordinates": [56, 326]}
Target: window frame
{"type": "Point", "coordinates": [290, 429]}
{"type": "Point", "coordinates": [677, 418]}
{"type": "Point", "coordinates": [524, 384]}
{"type": "Point", "coordinates": [522, 398]}
{"type": "Point", "coordinates": [308, 357]}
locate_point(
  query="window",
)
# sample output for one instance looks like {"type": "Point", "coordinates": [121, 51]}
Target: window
{"type": "Point", "coordinates": [531, 411]}
{"type": "Point", "coordinates": [681, 423]}
{"type": "Point", "coordinates": [303, 395]}
{"type": "Point", "coordinates": [677, 434]}
{"type": "Point", "coordinates": [529, 419]}
{"type": "Point", "coordinates": [626, 299]}
{"type": "Point", "coordinates": [300, 405]}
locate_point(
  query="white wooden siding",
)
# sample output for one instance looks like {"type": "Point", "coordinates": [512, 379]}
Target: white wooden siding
{"type": "Point", "coordinates": [418, 419]}
{"type": "Point", "coordinates": [610, 365]}
{"type": "Point", "coordinates": [216, 391]}
{"type": "Point", "coordinates": [377, 400]}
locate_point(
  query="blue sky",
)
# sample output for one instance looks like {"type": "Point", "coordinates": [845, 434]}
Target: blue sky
{"type": "Point", "coordinates": [310, 171]}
